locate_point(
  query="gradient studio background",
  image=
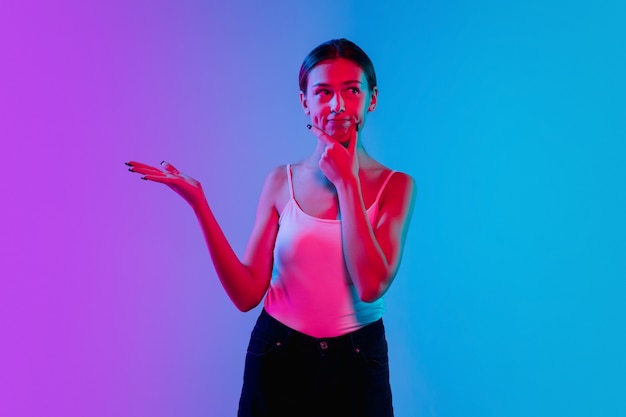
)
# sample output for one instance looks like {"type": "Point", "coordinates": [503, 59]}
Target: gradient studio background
{"type": "Point", "coordinates": [510, 116]}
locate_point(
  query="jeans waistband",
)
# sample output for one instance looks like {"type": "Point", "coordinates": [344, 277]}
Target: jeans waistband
{"type": "Point", "coordinates": [351, 339]}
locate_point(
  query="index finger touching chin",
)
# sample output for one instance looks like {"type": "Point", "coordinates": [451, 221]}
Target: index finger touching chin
{"type": "Point", "coordinates": [321, 135]}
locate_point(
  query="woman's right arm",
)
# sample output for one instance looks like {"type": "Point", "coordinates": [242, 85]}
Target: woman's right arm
{"type": "Point", "coordinates": [245, 282]}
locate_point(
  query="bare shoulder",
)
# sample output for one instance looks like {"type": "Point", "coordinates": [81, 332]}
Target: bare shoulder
{"type": "Point", "coordinates": [400, 191]}
{"type": "Point", "coordinates": [275, 188]}
{"type": "Point", "coordinates": [276, 177]}
{"type": "Point", "coordinates": [399, 183]}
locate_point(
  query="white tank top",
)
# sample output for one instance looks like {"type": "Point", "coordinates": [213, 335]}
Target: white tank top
{"type": "Point", "coordinates": [311, 290]}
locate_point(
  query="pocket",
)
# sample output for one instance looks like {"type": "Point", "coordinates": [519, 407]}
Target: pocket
{"type": "Point", "coordinates": [374, 356]}
{"type": "Point", "coordinates": [372, 349]}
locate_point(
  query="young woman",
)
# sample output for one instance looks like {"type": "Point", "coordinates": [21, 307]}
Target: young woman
{"type": "Point", "coordinates": [325, 246]}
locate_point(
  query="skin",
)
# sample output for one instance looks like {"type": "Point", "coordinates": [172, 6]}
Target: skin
{"type": "Point", "coordinates": [339, 180]}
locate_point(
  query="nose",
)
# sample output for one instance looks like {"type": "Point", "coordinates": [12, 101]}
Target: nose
{"type": "Point", "coordinates": [337, 104]}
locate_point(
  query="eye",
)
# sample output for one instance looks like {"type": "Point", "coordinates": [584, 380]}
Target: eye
{"type": "Point", "coordinates": [354, 90]}
{"type": "Point", "coordinates": [322, 92]}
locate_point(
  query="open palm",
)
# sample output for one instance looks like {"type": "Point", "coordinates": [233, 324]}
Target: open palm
{"type": "Point", "coordinates": [185, 186]}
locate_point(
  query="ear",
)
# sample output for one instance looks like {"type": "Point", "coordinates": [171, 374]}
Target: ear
{"type": "Point", "coordinates": [304, 104]}
{"type": "Point", "coordinates": [373, 99]}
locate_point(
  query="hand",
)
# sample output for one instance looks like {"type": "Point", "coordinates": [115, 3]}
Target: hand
{"type": "Point", "coordinates": [185, 186]}
{"type": "Point", "coordinates": [338, 163]}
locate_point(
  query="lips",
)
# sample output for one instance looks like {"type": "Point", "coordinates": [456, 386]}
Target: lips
{"type": "Point", "coordinates": [339, 122]}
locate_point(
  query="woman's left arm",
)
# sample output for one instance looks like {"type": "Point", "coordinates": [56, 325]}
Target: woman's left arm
{"type": "Point", "coordinates": [372, 252]}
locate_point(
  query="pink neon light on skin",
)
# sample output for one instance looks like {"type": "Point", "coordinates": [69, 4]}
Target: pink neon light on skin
{"type": "Point", "coordinates": [337, 98]}
{"type": "Point", "coordinates": [337, 105]}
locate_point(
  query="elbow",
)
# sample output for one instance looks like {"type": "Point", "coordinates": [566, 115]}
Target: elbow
{"type": "Point", "coordinates": [371, 293]}
{"type": "Point", "coordinates": [245, 305]}
{"type": "Point", "coordinates": [244, 308]}
{"type": "Point", "coordinates": [369, 297]}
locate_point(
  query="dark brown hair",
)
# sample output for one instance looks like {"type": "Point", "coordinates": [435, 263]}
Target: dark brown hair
{"type": "Point", "coordinates": [337, 48]}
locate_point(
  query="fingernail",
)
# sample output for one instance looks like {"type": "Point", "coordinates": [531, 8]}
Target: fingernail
{"type": "Point", "coordinates": [308, 126]}
{"type": "Point", "coordinates": [144, 178]}
{"type": "Point", "coordinates": [131, 170]}
{"type": "Point", "coordinates": [162, 162]}
{"type": "Point", "coordinates": [128, 163]}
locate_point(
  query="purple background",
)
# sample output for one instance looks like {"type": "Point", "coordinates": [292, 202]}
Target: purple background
{"type": "Point", "coordinates": [510, 116]}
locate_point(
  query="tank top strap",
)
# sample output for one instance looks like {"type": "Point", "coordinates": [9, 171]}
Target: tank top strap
{"type": "Point", "coordinates": [290, 182]}
{"type": "Point", "coordinates": [382, 187]}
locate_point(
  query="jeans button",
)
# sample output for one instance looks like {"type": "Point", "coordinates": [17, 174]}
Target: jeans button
{"type": "Point", "coordinates": [323, 345]}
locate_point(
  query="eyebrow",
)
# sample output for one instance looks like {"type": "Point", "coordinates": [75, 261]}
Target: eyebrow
{"type": "Point", "coordinates": [343, 83]}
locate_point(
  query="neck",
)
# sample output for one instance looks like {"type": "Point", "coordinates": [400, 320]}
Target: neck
{"type": "Point", "coordinates": [312, 162]}
{"type": "Point", "coordinates": [321, 146]}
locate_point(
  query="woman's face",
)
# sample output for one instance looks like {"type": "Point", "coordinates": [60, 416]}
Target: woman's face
{"type": "Point", "coordinates": [337, 97]}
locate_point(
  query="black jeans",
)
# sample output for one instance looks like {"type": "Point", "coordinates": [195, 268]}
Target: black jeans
{"type": "Point", "coordinates": [290, 374]}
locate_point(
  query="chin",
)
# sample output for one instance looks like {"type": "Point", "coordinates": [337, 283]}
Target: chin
{"type": "Point", "coordinates": [343, 139]}
{"type": "Point", "coordinates": [341, 136]}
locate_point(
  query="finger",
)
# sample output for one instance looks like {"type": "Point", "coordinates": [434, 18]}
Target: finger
{"type": "Point", "coordinates": [354, 139]}
{"type": "Point", "coordinates": [141, 168]}
{"type": "Point", "coordinates": [146, 169]}
{"type": "Point", "coordinates": [321, 135]}
{"type": "Point", "coordinates": [135, 164]}
{"type": "Point", "coordinates": [170, 168]}
{"type": "Point", "coordinates": [163, 179]}
{"type": "Point", "coordinates": [324, 163]}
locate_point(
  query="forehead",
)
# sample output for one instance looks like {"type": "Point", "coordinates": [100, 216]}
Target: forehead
{"type": "Point", "coordinates": [336, 70]}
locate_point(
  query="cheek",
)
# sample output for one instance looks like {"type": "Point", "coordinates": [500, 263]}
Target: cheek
{"type": "Point", "coordinates": [314, 115]}
{"type": "Point", "coordinates": [319, 112]}
{"type": "Point", "coordinates": [358, 104]}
